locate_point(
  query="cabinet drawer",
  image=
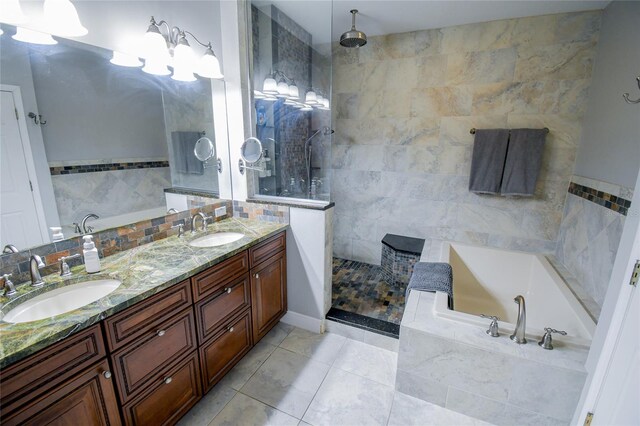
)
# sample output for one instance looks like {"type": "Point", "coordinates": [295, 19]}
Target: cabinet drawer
{"type": "Point", "coordinates": [229, 301]}
{"type": "Point", "coordinates": [49, 367]}
{"type": "Point", "coordinates": [169, 398]}
{"type": "Point", "coordinates": [86, 399]}
{"type": "Point", "coordinates": [224, 350]}
{"type": "Point", "coordinates": [217, 277]}
{"type": "Point", "coordinates": [144, 317]}
{"type": "Point", "coordinates": [266, 249]}
{"type": "Point", "coordinates": [141, 362]}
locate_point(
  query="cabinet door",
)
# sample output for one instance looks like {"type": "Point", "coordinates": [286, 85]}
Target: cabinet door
{"type": "Point", "coordinates": [268, 294]}
{"type": "Point", "coordinates": [87, 399]}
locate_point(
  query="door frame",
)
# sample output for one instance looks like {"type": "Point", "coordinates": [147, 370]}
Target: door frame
{"type": "Point", "coordinates": [28, 158]}
{"type": "Point", "coordinates": [614, 309]}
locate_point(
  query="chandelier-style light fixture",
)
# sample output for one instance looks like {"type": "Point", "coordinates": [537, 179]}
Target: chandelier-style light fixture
{"type": "Point", "coordinates": [60, 19]}
{"type": "Point", "coordinates": [171, 49]}
{"type": "Point", "coordinates": [277, 85]}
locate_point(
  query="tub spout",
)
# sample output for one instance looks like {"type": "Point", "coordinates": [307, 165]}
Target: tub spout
{"type": "Point", "coordinates": [521, 325]}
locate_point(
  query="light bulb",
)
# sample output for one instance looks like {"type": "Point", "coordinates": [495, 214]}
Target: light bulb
{"type": "Point", "coordinates": [62, 18]}
{"type": "Point", "coordinates": [209, 66]}
{"type": "Point", "coordinates": [31, 36]}
{"type": "Point", "coordinates": [311, 98]}
{"type": "Point", "coordinates": [283, 90]}
{"type": "Point", "coordinates": [155, 67]}
{"type": "Point", "coordinates": [11, 12]}
{"type": "Point", "coordinates": [125, 60]}
{"type": "Point", "coordinates": [270, 86]}
{"type": "Point", "coordinates": [183, 61]}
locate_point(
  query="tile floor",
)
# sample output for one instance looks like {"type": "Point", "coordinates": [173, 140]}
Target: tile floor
{"type": "Point", "coordinates": [359, 288]}
{"type": "Point", "coordinates": [294, 377]}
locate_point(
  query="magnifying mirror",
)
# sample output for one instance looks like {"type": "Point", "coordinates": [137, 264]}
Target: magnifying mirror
{"type": "Point", "coordinates": [251, 150]}
{"type": "Point", "coordinates": [204, 149]}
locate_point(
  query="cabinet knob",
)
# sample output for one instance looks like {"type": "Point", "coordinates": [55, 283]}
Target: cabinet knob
{"type": "Point", "coordinates": [160, 333]}
{"type": "Point", "coordinates": [167, 380]}
{"type": "Point", "coordinates": [230, 329]}
{"type": "Point", "coordinates": [257, 276]}
{"type": "Point", "coordinates": [228, 290]}
{"type": "Point", "coordinates": [106, 374]}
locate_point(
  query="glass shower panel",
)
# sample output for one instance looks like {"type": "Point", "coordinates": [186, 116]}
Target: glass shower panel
{"type": "Point", "coordinates": [291, 75]}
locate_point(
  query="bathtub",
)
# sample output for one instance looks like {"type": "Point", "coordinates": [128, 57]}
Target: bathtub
{"type": "Point", "coordinates": [485, 281]}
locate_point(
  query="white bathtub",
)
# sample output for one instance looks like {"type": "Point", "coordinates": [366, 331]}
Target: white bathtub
{"type": "Point", "coordinates": [486, 280]}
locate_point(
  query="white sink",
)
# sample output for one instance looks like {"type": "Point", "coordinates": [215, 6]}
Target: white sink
{"type": "Point", "coordinates": [217, 239]}
{"type": "Point", "coordinates": [61, 300]}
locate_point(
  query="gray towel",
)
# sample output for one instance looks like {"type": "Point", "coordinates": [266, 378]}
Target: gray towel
{"type": "Point", "coordinates": [184, 160]}
{"type": "Point", "coordinates": [524, 158]}
{"type": "Point", "coordinates": [432, 276]}
{"type": "Point", "coordinates": [487, 162]}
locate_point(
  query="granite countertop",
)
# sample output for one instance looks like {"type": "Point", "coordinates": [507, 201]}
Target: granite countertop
{"type": "Point", "coordinates": [144, 271]}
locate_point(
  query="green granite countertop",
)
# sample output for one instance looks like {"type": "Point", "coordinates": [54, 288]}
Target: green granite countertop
{"type": "Point", "coordinates": [144, 271]}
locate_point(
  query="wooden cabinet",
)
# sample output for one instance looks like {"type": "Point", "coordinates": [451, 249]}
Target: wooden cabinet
{"type": "Point", "coordinates": [85, 399]}
{"type": "Point", "coordinates": [149, 364]}
{"type": "Point", "coordinates": [269, 288]}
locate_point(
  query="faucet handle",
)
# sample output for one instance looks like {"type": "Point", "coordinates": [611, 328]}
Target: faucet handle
{"type": "Point", "coordinates": [546, 341]}
{"type": "Point", "coordinates": [493, 327]}
{"type": "Point", "coordinates": [65, 271]}
{"type": "Point", "coordinates": [180, 227]}
{"type": "Point", "coordinates": [9, 289]}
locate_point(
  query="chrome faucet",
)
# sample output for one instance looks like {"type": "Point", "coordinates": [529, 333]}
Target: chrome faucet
{"type": "Point", "coordinates": [195, 217]}
{"type": "Point", "coordinates": [521, 325]}
{"type": "Point", "coordinates": [35, 263]}
{"type": "Point", "coordinates": [86, 229]}
{"type": "Point", "coordinates": [10, 248]}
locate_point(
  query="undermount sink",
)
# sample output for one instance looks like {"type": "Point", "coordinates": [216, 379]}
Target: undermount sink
{"type": "Point", "coordinates": [217, 239]}
{"type": "Point", "coordinates": [61, 300]}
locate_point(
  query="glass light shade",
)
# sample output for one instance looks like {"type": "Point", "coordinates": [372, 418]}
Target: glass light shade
{"type": "Point", "coordinates": [209, 66]}
{"type": "Point", "coordinates": [1, 32]}
{"type": "Point", "coordinates": [306, 108]}
{"type": "Point", "coordinates": [31, 36]}
{"type": "Point", "coordinates": [311, 98]}
{"type": "Point", "coordinates": [155, 67]}
{"type": "Point", "coordinates": [62, 18]}
{"type": "Point", "coordinates": [270, 86]}
{"type": "Point", "coordinates": [258, 95]}
{"type": "Point", "coordinates": [283, 90]}
{"type": "Point", "coordinates": [270, 98]}
{"type": "Point", "coordinates": [154, 45]}
{"type": "Point", "coordinates": [125, 60]}
{"type": "Point", "coordinates": [325, 103]}
{"type": "Point", "coordinates": [11, 12]}
{"type": "Point", "coordinates": [290, 102]}
{"type": "Point", "coordinates": [293, 92]}
{"type": "Point", "coordinates": [183, 61]}
{"type": "Point", "coordinates": [319, 100]}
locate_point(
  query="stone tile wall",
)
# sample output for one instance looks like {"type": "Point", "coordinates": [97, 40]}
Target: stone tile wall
{"type": "Point", "coordinates": [260, 211]}
{"type": "Point", "coordinates": [108, 242]}
{"type": "Point", "coordinates": [590, 232]}
{"type": "Point", "coordinates": [403, 108]}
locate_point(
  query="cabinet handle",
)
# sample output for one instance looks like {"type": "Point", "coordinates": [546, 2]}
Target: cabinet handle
{"type": "Point", "coordinates": [230, 329]}
{"type": "Point", "coordinates": [106, 374]}
{"type": "Point", "coordinates": [227, 290]}
{"type": "Point", "coordinates": [167, 380]}
{"type": "Point", "coordinates": [160, 333]}
{"type": "Point", "coordinates": [257, 276]}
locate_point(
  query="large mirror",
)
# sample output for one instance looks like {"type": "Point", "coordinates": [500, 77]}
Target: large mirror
{"type": "Point", "coordinates": [81, 136]}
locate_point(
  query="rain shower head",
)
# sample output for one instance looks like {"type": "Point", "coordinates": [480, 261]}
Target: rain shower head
{"type": "Point", "coordinates": [353, 37]}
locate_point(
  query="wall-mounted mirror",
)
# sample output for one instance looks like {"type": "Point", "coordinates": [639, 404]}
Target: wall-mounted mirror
{"type": "Point", "coordinates": [83, 136]}
{"type": "Point", "coordinates": [251, 150]}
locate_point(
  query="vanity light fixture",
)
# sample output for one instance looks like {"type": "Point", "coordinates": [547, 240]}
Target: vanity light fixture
{"type": "Point", "coordinates": [173, 49]}
{"type": "Point", "coordinates": [31, 36]}
{"type": "Point", "coordinates": [61, 18]}
{"type": "Point", "coordinates": [125, 60]}
{"type": "Point", "coordinates": [11, 12]}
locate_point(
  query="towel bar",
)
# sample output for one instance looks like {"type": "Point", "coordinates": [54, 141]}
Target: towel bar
{"type": "Point", "coordinates": [473, 130]}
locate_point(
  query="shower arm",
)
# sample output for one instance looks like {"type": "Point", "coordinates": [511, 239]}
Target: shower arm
{"type": "Point", "coordinates": [353, 20]}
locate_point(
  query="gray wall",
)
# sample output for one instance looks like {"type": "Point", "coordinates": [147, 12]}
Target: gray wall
{"type": "Point", "coordinates": [16, 71]}
{"type": "Point", "coordinates": [610, 144]}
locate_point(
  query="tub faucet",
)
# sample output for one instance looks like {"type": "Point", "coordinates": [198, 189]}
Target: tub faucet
{"type": "Point", "coordinates": [521, 325]}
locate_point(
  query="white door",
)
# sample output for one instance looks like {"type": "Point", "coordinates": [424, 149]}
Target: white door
{"type": "Point", "coordinates": [618, 402]}
{"type": "Point", "coordinates": [19, 222]}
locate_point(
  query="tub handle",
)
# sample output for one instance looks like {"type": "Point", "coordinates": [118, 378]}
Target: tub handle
{"type": "Point", "coordinates": [493, 327]}
{"type": "Point", "coordinates": [546, 341]}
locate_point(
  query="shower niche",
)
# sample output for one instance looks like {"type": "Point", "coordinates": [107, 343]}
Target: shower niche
{"type": "Point", "coordinates": [291, 76]}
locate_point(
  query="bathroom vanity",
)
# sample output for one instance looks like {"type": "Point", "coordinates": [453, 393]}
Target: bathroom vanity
{"type": "Point", "coordinates": [152, 361]}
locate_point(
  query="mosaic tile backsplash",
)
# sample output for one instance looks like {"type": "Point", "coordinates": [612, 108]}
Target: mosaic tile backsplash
{"type": "Point", "coordinates": [403, 106]}
{"type": "Point", "coordinates": [259, 211]}
{"type": "Point", "coordinates": [590, 232]}
{"type": "Point", "coordinates": [104, 167]}
{"type": "Point", "coordinates": [108, 242]}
